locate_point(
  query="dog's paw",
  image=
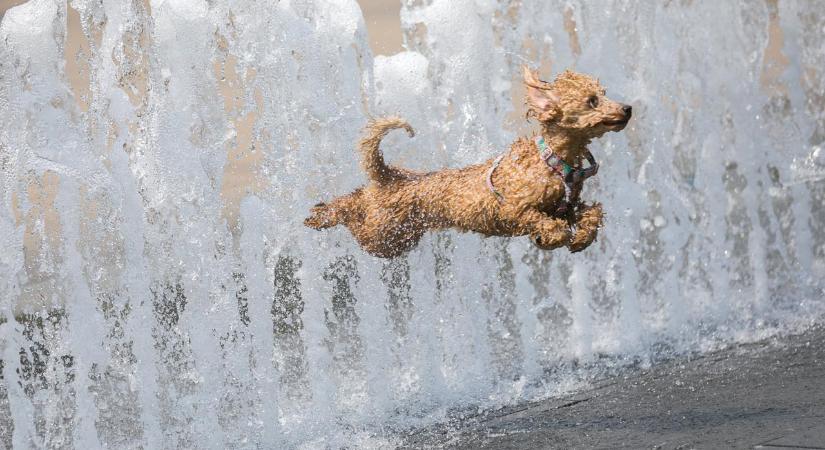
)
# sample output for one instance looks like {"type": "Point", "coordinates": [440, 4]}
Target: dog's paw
{"type": "Point", "coordinates": [551, 241]}
{"type": "Point", "coordinates": [320, 217]}
{"type": "Point", "coordinates": [582, 239]}
{"type": "Point", "coordinates": [590, 216]}
{"type": "Point", "coordinates": [588, 221]}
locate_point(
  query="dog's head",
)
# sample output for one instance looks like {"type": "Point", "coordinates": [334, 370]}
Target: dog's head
{"type": "Point", "coordinates": [574, 103]}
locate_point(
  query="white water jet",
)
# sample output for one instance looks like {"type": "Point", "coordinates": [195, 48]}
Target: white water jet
{"type": "Point", "coordinates": [158, 286]}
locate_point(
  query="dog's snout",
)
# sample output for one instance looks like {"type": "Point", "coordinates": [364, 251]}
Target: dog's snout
{"type": "Point", "coordinates": [627, 110]}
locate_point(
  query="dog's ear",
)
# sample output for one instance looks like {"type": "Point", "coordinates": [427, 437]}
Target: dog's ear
{"type": "Point", "coordinates": [540, 96]}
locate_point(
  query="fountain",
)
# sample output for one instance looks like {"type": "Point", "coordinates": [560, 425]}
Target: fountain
{"type": "Point", "coordinates": [158, 157]}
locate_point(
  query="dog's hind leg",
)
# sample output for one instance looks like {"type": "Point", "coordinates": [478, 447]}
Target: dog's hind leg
{"type": "Point", "coordinates": [321, 216]}
{"type": "Point", "coordinates": [326, 215]}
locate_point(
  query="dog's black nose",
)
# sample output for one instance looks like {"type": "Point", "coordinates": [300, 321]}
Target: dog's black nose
{"type": "Point", "coordinates": [627, 110]}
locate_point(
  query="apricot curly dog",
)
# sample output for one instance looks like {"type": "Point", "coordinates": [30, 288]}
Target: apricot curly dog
{"type": "Point", "coordinates": [532, 189]}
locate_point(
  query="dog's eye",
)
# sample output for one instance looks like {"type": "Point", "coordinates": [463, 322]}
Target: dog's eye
{"type": "Point", "coordinates": [593, 102]}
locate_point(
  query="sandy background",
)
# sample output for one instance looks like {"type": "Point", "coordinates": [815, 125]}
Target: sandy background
{"type": "Point", "coordinates": [6, 4]}
{"type": "Point", "coordinates": [383, 23]}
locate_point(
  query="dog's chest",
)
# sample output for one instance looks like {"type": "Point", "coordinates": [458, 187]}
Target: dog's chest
{"type": "Point", "coordinates": [535, 184]}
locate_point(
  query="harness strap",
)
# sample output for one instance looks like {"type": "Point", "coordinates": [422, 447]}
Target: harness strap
{"type": "Point", "coordinates": [497, 194]}
{"type": "Point", "coordinates": [572, 178]}
{"type": "Point", "coordinates": [564, 170]}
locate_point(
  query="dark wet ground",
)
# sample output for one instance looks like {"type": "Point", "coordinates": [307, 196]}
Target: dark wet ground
{"type": "Point", "coordinates": [766, 395]}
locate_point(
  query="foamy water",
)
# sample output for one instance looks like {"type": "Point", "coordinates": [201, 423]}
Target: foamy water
{"type": "Point", "coordinates": [159, 289]}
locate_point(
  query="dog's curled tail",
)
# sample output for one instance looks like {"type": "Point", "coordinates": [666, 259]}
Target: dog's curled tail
{"type": "Point", "coordinates": [371, 159]}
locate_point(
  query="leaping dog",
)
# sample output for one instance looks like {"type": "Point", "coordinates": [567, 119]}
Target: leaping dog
{"type": "Point", "coordinates": [532, 189]}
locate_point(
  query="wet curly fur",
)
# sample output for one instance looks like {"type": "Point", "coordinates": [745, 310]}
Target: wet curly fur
{"type": "Point", "coordinates": [389, 215]}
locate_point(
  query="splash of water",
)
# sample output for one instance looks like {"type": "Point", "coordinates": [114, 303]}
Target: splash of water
{"type": "Point", "coordinates": [159, 290]}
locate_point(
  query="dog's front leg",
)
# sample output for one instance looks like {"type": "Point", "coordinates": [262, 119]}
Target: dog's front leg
{"type": "Point", "coordinates": [546, 232]}
{"type": "Point", "coordinates": [588, 221]}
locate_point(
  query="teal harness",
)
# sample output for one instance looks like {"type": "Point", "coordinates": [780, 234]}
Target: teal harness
{"type": "Point", "coordinates": [572, 177]}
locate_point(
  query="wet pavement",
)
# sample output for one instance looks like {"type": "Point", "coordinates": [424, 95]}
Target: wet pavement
{"type": "Point", "coordinates": [769, 395]}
